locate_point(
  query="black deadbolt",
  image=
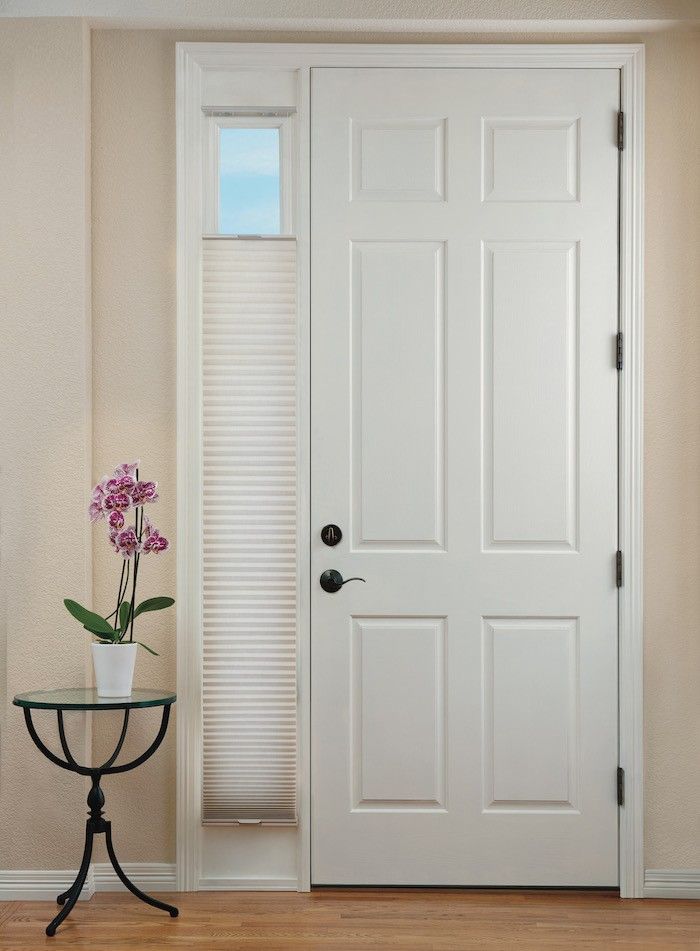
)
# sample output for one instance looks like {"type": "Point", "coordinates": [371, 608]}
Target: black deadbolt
{"type": "Point", "coordinates": [332, 580]}
{"type": "Point", "coordinates": [331, 535]}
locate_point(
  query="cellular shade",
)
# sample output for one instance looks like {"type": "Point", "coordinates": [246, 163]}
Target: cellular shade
{"type": "Point", "coordinates": [249, 530]}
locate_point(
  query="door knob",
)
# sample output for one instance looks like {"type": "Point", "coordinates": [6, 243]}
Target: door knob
{"type": "Point", "coordinates": [332, 580]}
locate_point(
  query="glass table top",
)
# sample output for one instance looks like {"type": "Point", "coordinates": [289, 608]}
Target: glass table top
{"type": "Point", "coordinates": [81, 698]}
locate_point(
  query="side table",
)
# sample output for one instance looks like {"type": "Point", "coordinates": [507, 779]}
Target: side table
{"type": "Point", "coordinates": [86, 699]}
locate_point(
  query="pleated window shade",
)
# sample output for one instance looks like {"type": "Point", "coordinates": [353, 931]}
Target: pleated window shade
{"type": "Point", "coordinates": [249, 530]}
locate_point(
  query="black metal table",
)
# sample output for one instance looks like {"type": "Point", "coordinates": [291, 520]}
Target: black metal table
{"type": "Point", "coordinates": [84, 699]}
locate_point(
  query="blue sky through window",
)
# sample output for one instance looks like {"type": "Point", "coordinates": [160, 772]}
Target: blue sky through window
{"type": "Point", "coordinates": [249, 181]}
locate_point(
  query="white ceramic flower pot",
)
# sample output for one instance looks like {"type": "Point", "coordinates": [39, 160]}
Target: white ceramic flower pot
{"type": "Point", "coordinates": [114, 668]}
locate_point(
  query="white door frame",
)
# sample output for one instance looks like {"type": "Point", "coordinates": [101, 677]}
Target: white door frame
{"type": "Point", "coordinates": [195, 61]}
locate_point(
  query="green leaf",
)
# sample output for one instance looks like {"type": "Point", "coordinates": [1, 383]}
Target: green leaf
{"type": "Point", "coordinates": [93, 622]}
{"type": "Point", "coordinates": [146, 647]}
{"type": "Point", "coordinates": [124, 614]}
{"type": "Point", "coordinates": [154, 604]}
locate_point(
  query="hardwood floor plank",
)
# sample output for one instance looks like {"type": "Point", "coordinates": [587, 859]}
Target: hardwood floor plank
{"type": "Point", "coordinates": [362, 920]}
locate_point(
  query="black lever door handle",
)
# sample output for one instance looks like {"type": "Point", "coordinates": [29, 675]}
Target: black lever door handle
{"type": "Point", "coordinates": [332, 580]}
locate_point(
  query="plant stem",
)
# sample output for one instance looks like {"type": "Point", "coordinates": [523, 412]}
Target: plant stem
{"type": "Point", "coordinates": [126, 582]}
{"type": "Point", "coordinates": [133, 597]}
{"type": "Point", "coordinates": [119, 596]}
{"type": "Point", "coordinates": [136, 570]}
{"type": "Point", "coordinates": [122, 592]}
{"type": "Point", "coordinates": [136, 562]}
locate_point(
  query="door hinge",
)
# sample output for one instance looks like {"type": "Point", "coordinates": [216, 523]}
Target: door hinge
{"type": "Point", "coordinates": [618, 569]}
{"type": "Point", "coordinates": [620, 786]}
{"type": "Point", "coordinates": [620, 130]}
{"type": "Point", "coordinates": [620, 351]}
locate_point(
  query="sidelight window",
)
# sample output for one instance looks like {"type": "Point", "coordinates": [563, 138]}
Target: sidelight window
{"type": "Point", "coordinates": [248, 190]}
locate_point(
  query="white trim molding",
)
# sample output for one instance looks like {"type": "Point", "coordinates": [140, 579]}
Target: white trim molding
{"type": "Point", "coordinates": [286, 56]}
{"type": "Point", "coordinates": [46, 884]}
{"type": "Point", "coordinates": [150, 876]}
{"type": "Point", "coordinates": [41, 884]}
{"type": "Point", "coordinates": [189, 466]}
{"type": "Point", "coordinates": [197, 63]}
{"type": "Point", "coordinates": [630, 473]}
{"type": "Point", "coordinates": [672, 883]}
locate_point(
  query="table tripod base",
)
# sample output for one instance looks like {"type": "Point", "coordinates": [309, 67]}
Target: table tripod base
{"type": "Point", "coordinates": [96, 825]}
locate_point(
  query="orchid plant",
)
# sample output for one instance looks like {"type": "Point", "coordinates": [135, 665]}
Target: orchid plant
{"type": "Point", "coordinates": [112, 498]}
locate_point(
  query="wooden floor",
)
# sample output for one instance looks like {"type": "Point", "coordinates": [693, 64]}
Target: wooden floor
{"type": "Point", "coordinates": [414, 920]}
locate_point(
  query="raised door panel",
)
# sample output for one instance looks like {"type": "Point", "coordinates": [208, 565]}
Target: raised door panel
{"type": "Point", "coordinates": [531, 714]}
{"type": "Point", "coordinates": [530, 404]}
{"type": "Point", "coordinates": [530, 159]}
{"type": "Point", "coordinates": [397, 403]}
{"type": "Point", "coordinates": [398, 713]}
{"type": "Point", "coordinates": [398, 160]}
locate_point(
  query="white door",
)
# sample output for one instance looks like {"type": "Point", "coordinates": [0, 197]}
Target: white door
{"type": "Point", "coordinates": [464, 439]}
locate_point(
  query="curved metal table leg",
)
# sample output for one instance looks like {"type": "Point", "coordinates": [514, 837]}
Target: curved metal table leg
{"type": "Point", "coordinates": [73, 894]}
{"type": "Point", "coordinates": [128, 883]}
{"type": "Point", "coordinates": [60, 899]}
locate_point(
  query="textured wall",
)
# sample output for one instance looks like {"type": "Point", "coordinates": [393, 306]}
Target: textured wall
{"type": "Point", "coordinates": [134, 384]}
{"type": "Point", "coordinates": [45, 438]}
{"type": "Point", "coordinates": [193, 14]}
{"type": "Point", "coordinates": [672, 458]}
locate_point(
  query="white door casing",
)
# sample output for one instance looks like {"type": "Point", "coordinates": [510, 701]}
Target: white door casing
{"type": "Point", "coordinates": [218, 74]}
{"type": "Point", "coordinates": [464, 437]}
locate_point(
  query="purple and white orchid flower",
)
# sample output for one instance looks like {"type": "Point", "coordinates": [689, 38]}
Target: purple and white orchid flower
{"type": "Point", "coordinates": [111, 498]}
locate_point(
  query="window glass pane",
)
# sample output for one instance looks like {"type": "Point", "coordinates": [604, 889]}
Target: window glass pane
{"type": "Point", "coordinates": [249, 181]}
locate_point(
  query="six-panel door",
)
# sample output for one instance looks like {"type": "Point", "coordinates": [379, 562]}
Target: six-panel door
{"type": "Point", "coordinates": [464, 406]}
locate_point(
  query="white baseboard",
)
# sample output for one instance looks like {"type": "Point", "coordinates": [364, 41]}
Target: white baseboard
{"type": "Point", "coordinates": [40, 884]}
{"type": "Point", "coordinates": [672, 883]}
{"type": "Point", "coordinates": [45, 885]}
{"type": "Point", "coordinates": [150, 876]}
{"type": "Point", "coordinates": [248, 884]}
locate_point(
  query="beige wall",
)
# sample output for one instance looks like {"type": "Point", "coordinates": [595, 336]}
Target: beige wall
{"type": "Point", "coordinates": [133, 223]}
{"type": "Point", "coordinates": [45, 439]}
{"type": "Point", "coordinates": [672, 455]}
{"type": "Point", "coordinates": [133, 155]}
